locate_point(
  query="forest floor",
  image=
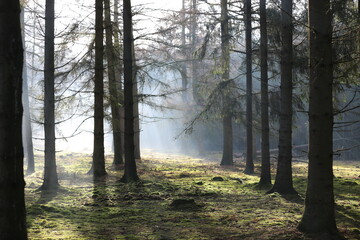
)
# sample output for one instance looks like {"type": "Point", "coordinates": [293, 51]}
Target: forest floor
{"type": "Point", "coordinates": [178, 197]}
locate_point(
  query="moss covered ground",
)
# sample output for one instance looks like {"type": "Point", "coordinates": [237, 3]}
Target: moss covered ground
{"type": "Point", "coordinates": [178, 197]}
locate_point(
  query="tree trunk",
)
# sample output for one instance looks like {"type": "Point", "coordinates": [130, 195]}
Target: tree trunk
{"type": "Point", "coordinates": [12, 204]}
{"type": "Point", "coordinates": [136, 112]}
{"type": "Point", "coordinates": [50, 174]}
{"type": "Point", "coordinates": [183, 72]}
{"type": "Point", "coordinates": [227, 157]}
{"type": "Point", "coordinates": [265, 176]}
{"type": "Point", "coordinates": [98, 166]}
{"type": "Point", "coordinates": [319, 214]}
{"type": "Point", "coordinates": [119, 70]}
{"type": "Point", "coordinates": [26, 131]}
{"type": "Point", "coordinates": [130, 174]}
{"type": "Point", "coordinates": [283, 181]}
{"type": "Point", "coordinates": [194, 62]}
{"type": "Point", "coordinates": [249, 169]}
{"type": "Point", "coordinates": [113, 88]}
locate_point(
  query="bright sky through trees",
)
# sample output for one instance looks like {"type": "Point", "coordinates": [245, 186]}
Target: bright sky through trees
{"type": "Point", "coordinates": [68, 12]}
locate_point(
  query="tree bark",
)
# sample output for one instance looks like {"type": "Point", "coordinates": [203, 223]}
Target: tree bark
{"type": "Point", "coordinates": [98, 167]}
{"type": "Point", "coordinates": [283, 180]}
{"type": "Point", "coordinates": [12, 204]}
{"type": "Point", "coordinates": [265, 176]}
{"type": "Point", "coordinates": [319, 213]}
{"type": "Point", "coordinates": [113, 88]}
{"type": "Point", "coordinates": [50, 173]}
{"type": "Point", "coordinates": [227, 157]}
{"type": "Point", "coordinates": [130, 173]}
{"type": "Point", "coordinates": [249, 168]}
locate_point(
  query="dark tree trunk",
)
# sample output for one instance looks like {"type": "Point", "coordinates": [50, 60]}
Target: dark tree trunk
{"type": "Point", "coordinates": [283, 181]}
{"type": "Point", "coordinates": [249, 169]}
{"type": "Point", "coordinates": [319, 214]}
{"type": "Point", "coordinates": [227, 157]}
{"type": "Point", "coordinates": [119, 70]}
{"type": "Point", "coordinates": [50, 174]}
{"type": "Point", "coordinates": [12, 204]}
{"type": "Point", "coordinates": [135, 105]}
{"type": "Point", "coordinates": [98, 167]}
{"type": "Point", "coordinates": [130, 174]}
{"type": "Point", "coordinates": [26, 131]}
{"type": "Point", "coordinates": [113, 88]}
{"type": "Point", "coordinates": [265, 176]}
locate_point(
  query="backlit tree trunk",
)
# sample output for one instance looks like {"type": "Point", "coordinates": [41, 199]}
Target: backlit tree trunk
{"type": "Point", "coordinates": [183, 72]}
{"type": "Point", "coordinates": [26, 131]}
{"type": "Point", "coordinates": [98, 166]}
{"type": "Point", "coordinates": [249, 169]}
{"type": "Point", "coordinates": [113, 88]}
{"type": "Point", "coordinates": [130, 173]}
{"type": "Point", "coordinates": [12, 204]}
{"type": "Point", "coordinates": [283, 181]}
{"type": "Point", "coordinates": [50, 174]}
{"type": "Point", "coordinates": [319, 214]}
{"type": "Point", "coordinates": [227, 158]}
{"type": "Point", "coordinates": [265, 177]}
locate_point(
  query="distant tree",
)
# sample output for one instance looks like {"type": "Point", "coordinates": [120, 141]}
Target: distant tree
{"type": "Point", "coordinates": [98, 164]}
{"type": "Point", "coordinates": [265, 177]}
{"type": "Point", "coordinates": [130, 173]}
{"type": "Point", "coordinates": [249, 168]}
{"type": "Point", "coordinates": [319, 213]}
{"type": "Point", "coordinates": [27, 130]}
{"type": "Point", "coordinates": [283, 181]}
{"type": "Point", "coordinates": [12, 204]}
{"type": "Point", "coordinates": [50, 174]}
{"type": "Point", "coordinates": [183, 71]}
{"type": "Point", "coordinates": [113, 86]}
{"type": "Point", "coordinates": [227, 158]}
{"type": "Point", "coordinates": [136, 111]}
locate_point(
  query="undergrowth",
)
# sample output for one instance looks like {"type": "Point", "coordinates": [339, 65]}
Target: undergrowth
{"type": "Point", "coordinates": [178, 197]}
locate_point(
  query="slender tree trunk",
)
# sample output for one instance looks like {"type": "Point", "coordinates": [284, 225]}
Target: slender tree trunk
{"type": "Point", "coordinates": [26, 131]}
{"type": "Point", "coordinates": [12, 204]}
{"type": "Point", "coordinates": [227, 158]}
{"type": "Point", "coordinates": [50, 174]}
{"type": "Point", "coordinates": [265, 176]}
{"type": "Point", "coordinates": [249, 169]}
{"type": "Point", "coordinates": [113, 88]}
{"type": "Point", "coordinates": [283, 181]}
{"type": "Point", "coordinates": [319, 214]}
{"type": "Point", "coordinates": [98, 167]}
{"type": "Point", "coordinates": [119, 70]}
{"type": "Point", "coordinates": [136, 112]}
{"type": "Point", "coordinates": [183, 72]}
{"type": "Point", "coordinates": [130, 173]}
{"type": "Point", "coordinates": [194, 62]}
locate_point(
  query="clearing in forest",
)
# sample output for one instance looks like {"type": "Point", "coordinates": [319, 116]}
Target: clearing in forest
{"type": "Point", "coordinates": [178, 197]}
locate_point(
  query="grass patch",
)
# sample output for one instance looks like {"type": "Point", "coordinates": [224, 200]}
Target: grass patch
{"type": "Point", "coordinates": [178, 197]}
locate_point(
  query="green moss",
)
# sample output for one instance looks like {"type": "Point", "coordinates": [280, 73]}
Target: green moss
{"type": "Point", "coordinates": [234, 208]}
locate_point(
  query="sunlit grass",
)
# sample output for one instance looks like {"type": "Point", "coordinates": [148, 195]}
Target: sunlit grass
{"type": "Point", "coordinates": [233, 208]}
